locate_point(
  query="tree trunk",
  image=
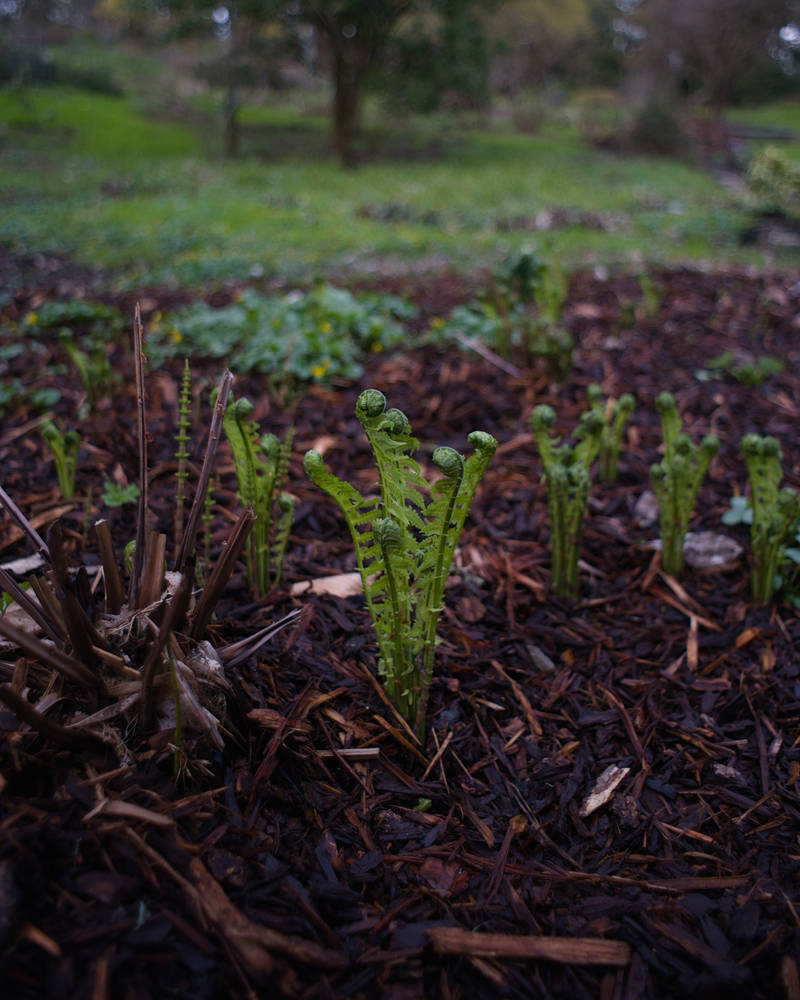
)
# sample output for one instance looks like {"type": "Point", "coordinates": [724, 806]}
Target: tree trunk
{"type": "Point", "coordinates": [230, 112]}
{"type": "Point", "coordinates": [346, 106]}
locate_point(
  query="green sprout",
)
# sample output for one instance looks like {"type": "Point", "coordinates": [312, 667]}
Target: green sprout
{"type": "Point", "coordinates": [774, 512]}
{"type": "Point", "coordinates": [261, 463]}
{"type": "Point", "coordinates": [404, 544]}
{"type": "Point", "coordinates": [115, 495]}
{"type": "Point", "coordinates": [568, 480]}
{"type": "Point", "coordinates": [182, 455]}
{"type": "Point", "coordinates": [615, 415]}
{"type": "Point", "coordinates": [65, 448]}
{"type": "Point", "coordinates": [94, 369]}
{"type": "Point", "coordinates": [676, 480]}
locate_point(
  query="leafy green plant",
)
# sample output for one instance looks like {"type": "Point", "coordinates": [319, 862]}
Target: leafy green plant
{"type": "Point", "coordinates": [89, 319]}
{"type": "Point", "coordinates": [615, 415]}
{"type": "Point", "coordinates": [775, 179]}
{"type": "Point", "coordinates": [116, 495]}
{"type": "Point", "coordinates": [567, 476]}
{"type": "Point", "coordinates": [46, 398]}
{"type": "Point", "coordinates": [404, 543]}
{"type": "Point", "coordinates": [774, 512]}
{"type": "Point", "coordinates": [520, 316]}
{"type": "Point", "coordinates": [293, 339]}
{"type": "Point", "coordinates": [93, 367]}
{"type": "Point", "coordinates": [10, 394]}
{"type": "Point", "coordinates": [676, 480]}
{"type": "Point", "coordinates": [261, 463]}
{"type": "Point", "coordinates": [65, 447]}
{"type": "Point", "coordinates": [745, 373]}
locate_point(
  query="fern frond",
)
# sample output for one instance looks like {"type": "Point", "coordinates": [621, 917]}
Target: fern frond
{"type": "Point", "coordinates": [399, 478]}
{"type": "Point", "coordinates": [281, 535]}
{"type": "Point", "coordinates": [404, 545]}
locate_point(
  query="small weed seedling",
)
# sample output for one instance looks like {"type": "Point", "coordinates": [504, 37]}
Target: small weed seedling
{"type": "Point", "coordinates": [116, 495]}
{"type": "Point", "coordinates": [93, 368]}
{"type": "Point", "coordinates": [567, 475]}
{"type": "Point", "coordinates": [65, 447]}
{"type": "Point", "coordinates": [261, 463]}
{"type": "Point", "coordinates": [774, 512]}
{"type": "Point", "coordinates": [676, 480]}
{"type": "Point", "coordinates": [614, 415]}
{"type": "Point", "coordinates": [404, 544]}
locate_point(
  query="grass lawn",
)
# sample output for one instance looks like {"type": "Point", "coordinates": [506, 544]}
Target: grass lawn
{"type": "Point", "coordinates": [124, 190]}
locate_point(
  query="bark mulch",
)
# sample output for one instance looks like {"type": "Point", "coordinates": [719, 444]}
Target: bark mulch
{"type": "Point", "coordinates": [607, 804]}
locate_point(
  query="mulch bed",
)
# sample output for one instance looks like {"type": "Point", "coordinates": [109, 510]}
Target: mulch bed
{"type": "Point", "coordinates": [323, 855]}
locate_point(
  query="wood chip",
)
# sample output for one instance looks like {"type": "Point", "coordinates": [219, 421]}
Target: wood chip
{"type": "Point", "coordinates": [572, 951]}
{"type": "Point", "coordinates": [603, 789]}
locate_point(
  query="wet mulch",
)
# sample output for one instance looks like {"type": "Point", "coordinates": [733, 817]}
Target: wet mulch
{"type": "Point", "coordinates": [607, 805]}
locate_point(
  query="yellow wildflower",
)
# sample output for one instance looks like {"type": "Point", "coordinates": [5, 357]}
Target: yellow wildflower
{"type": "Point", "coordinates": [319, 369]}
{"type": "Point", "coordinates": [325, 327]}
{"type": "Point", "coordinates": [31, 319]}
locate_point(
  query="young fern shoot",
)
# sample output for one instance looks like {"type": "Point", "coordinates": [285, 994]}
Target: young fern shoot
{"type": "Point", "coordinates": [615, 416]}
{"type": "Point", "coordinates": [676, 480]}
{"type": "Point", "coordinates": [261, 464]}
{"type": "Point", "coordinates": [181, 454]}
{"type": "Point", "coordinates": [404, 543]}
{"type": "Point", "coordinates": [774, 512]}
{"type": "Point", "coordinates": [568, 480]}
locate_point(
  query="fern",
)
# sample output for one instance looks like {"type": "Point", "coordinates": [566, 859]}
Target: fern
{"type": "Point", "coordinates": [567, 476]}
{"type": "Point", "coordinates": [774, 512]}
{"type": "Point", "coordinates": [261, 465]}
{"type": "Point", "coordinates": [182, 455]}
{"type": "Point", "coordinates": [676, 480]}
{"type": "Point", "coordinates": [404, 542]}
{"type": "Point", "coordinates": [615, 415]}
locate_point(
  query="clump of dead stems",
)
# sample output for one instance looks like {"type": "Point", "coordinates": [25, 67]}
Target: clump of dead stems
{"type": "Point", "coordinates": [137, 660]}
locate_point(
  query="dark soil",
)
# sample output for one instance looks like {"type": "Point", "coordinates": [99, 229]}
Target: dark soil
{"type": "Point", "coordinates": [296, 867]}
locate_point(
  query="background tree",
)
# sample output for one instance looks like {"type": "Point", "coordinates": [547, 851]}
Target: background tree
{"type": "Point", "coordinates": [355, 40]}
{"type": "Point", "coordinates": [534, 40]}
{"type": "Point", "coordinates": [707, 48]}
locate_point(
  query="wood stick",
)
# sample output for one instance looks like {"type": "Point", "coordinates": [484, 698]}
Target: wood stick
{"type": "Point", "coordinates": [75, 739]}
{"type": "Point", "coordinates": [52, 657]}
{"type": "Point", "coordinates": [30, 606]}
{"type": "Point", "coordinates": [223, 568]}
{"type": "Point", "coordinates": [573, 951]}
{"type": "Point", "coordinates": [141, 514]}
{"type": "Point", "coordinates": [24, 524]}
{"type": "Point", "coordinates": [153, 569]}
{"type": "Point", "coordinates": [114, 592]}
{"type": "Point", "coordinates": [175, 613]}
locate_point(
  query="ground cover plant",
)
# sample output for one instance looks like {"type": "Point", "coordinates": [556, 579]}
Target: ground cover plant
{"type": "Point", "coordinates": [605, 802]}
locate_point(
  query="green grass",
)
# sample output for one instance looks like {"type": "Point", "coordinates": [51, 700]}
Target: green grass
{"type": "Point", "coordinates": [142, 197]}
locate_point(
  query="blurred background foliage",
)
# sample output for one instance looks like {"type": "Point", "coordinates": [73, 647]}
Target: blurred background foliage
{"type": "Point", "coordinates": [599, 129]}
